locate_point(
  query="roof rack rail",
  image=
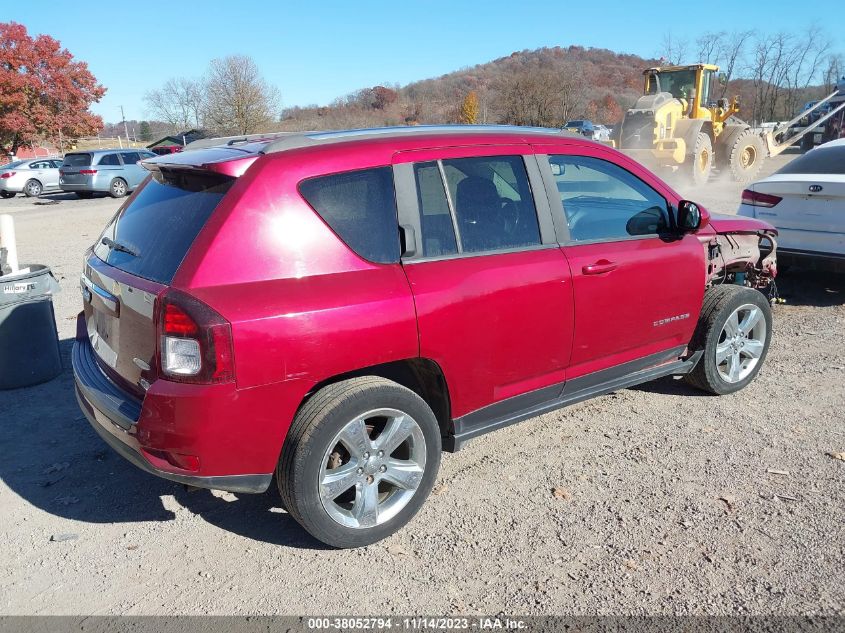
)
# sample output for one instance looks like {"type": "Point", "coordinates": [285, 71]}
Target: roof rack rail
{"type": "Point", "coordinates": [228, 141]}
{"type": "Point", "coordinates": [282, 141]}
{"type": "Point", "coordinates": [304, 139]}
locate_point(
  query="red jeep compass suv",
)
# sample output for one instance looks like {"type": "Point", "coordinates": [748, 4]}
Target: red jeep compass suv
{"type": "Point", "coordinates": [332, 310]}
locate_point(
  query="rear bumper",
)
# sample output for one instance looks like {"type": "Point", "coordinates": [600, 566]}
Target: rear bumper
{"type": "Point", "coordinates": [82, 187]}
{"type": "Point", "coordinates": [117, 418]}
{"type": "Point", "coordinates": [12, 187]}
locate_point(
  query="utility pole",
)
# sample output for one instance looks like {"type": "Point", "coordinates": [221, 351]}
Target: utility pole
{"type": "Point", "coordinates": [125, 127]}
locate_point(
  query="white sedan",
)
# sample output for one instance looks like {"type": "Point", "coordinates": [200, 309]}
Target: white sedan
{"type": "Point", "coordinates": [805, 201]}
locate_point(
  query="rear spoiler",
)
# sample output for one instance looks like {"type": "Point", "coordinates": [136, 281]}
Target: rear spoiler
{"type": "Point", "coordinates": [222, 160]}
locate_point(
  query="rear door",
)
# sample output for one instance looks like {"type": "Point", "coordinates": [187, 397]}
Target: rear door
{"type": "Point", "coordinates": [52, 176]}
{"type": "Point", "coordinates": [134, 259]}
{"type": "Point", "coordinates": [108, 167]}
{"type": "Point", "coordinates": [638, 286]}
{"type": "Point", "coordinates": [135, 174]}
{"type": "Point", "coordinates": [491, 287]}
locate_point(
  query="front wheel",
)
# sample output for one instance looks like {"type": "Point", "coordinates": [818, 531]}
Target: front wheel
{"type": "Point", "coordinates": [701, 159]}
{"type": "Point", "coordinates": [359, 461]}
{"type": "Point", "coordinates": [734, 332]}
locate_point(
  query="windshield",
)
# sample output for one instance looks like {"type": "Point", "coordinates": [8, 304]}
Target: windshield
{"type": "Point", "coordinates": [150, 236]}
{"type": "Point", "coordinates": [680, 83]}
{"type": "Point", "coordinates": [12, 165]}
{"type": "Point", "coordinates": [574, 124]}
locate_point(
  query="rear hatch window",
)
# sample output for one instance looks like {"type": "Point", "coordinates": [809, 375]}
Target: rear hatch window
{"type": "Point", "coordinates": [821, 160]}
{"type": "Point", "coordinates": [150, 236]}
{"type": "Point", "coordinates": [77, 160]}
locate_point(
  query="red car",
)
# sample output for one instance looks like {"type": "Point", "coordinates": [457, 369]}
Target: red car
{"type": "Point", "coordinates": [332, 310]}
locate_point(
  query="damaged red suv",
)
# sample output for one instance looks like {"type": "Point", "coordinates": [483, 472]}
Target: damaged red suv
{"type": "Point", "coordinates": [333, 310]}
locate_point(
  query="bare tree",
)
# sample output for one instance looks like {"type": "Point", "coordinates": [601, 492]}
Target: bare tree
{"type": "Point", "coordinates": [731, 54]}
{"type": "Point", "coordinates": [239, 100]}
{"type": "Point", "coordinates": [834, 71]}
{"type": "Point", "coordinates": [709, 46]}
{"type": "Point", "coordinates": [804, 64]}
{"type": "Point", "coordinates": [179, 102]}
{"type": "Point", "coordinates": [673, 52]}
{"type": "Point", "coordinates": [543, 97]}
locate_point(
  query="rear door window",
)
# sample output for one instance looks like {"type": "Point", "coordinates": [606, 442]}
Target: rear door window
{"type": "Point", "coordinates": [493, 205]}
{"type": "Point", "coordinates": [77, 160]}
{"type": "Point", "coordinates": [109, 160]}
{"type": "Point", "coordinates": [130, 158]}
{"type": "Point", "coordinates": [438, 232]}
{"type": "Point", "coordinates": [360, 206]}
{"type": "Point", "coordinates": [152, 234]}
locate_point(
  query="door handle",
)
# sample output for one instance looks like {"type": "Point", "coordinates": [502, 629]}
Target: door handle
{"type": "Point", "coordinates": [599, 268]}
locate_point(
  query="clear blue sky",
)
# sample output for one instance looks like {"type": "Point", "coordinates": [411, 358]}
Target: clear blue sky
{"type": "Point", "coordinates": [318, 50]}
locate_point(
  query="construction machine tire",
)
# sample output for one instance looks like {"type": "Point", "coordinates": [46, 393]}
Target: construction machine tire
{"type": "Point", "coordinates": [701, 159]}
{"type": "Point", "coordinates": [745, 156]}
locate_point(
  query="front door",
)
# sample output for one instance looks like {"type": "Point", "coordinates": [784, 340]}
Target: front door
{"type": "Point", "coordinates": [491, 286]}
{"type": "Point", "coordinates": [638, 284]}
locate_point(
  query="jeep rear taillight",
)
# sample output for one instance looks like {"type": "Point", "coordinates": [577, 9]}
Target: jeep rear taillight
{"type": "Point", "coordinates": [194, 341]}
{"type": "Point", "coordinates": [757, 199]}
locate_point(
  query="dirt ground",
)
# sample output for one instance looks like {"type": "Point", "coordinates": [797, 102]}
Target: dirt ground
{"type": "Point", "coordinates": [672, 502]}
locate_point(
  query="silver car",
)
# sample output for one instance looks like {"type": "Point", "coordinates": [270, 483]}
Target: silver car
{"type": "Point", "coordinates": [32, 177]}
{"type": "Point", "coordinates": [112, 171]}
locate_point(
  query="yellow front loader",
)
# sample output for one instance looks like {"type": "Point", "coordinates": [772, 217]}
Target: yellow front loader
{"type": "Point", "coordinates": [680, 124]}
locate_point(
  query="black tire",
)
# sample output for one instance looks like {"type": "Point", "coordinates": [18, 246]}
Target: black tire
{"type": "Point", "coordinates": [701, 159]}
{"type": "Point", "coordinates": [84, 195]}
{"type": "Point", "coordinates": [32, 188]}
{"type": "Point", "coordinates": [745, 156]}
{"type": "Point", "coordinates": [118, 188]}
{"type": "Point", "coordinates": [807, 142]}
{"type": "Point", "coordinates": [719, 304]}
{"type": "Point", "coordinates": [316, 425]}
{"type": "Point", "coordinates": [7, 194]}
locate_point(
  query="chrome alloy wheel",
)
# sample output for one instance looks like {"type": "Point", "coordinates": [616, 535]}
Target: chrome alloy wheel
{"type": "Point", "coordinates": [741, 343]}
{"type": "Point", "coordinates": [372, 468]}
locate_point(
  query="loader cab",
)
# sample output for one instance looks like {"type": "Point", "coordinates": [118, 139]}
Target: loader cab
{"type": "Point", "coordinates": [693, 84]}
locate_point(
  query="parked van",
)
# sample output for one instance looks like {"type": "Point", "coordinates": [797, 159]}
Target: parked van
{"type": "Point", "coordinates": [112, 171]}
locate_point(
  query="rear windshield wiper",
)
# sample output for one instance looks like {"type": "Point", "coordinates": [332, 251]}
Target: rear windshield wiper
{"type": "Point", "coordinates": [123, 248]}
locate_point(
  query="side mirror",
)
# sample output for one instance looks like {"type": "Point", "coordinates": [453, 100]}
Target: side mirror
{"type": "Point", "coordinates": [723, 79]}
{"type": "Point", "coordinates": [691, 217]}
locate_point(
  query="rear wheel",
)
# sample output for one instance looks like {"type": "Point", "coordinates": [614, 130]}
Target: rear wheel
{"type": "Point", "coordinates": [32, 188]}
{"type": "Point", "coordinates": [118, 188]}
{"type": "Point", "coordinates": [745, 156]}
{"type": "Point", "coordinates": [359, 461]}
{"type": "Point", "coordinates": [734, 332]}
{"type": "Point", "coordinates": [85, 195]}
{"type": "Point", "coordinates": [702, 159]}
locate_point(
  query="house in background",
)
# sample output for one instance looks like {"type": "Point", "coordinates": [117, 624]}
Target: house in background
{"type": "Point", "coordinates": [176, 142]}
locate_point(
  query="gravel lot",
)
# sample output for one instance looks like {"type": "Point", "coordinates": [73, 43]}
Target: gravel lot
{"type": "Point", "coordinates": [669, 502]}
